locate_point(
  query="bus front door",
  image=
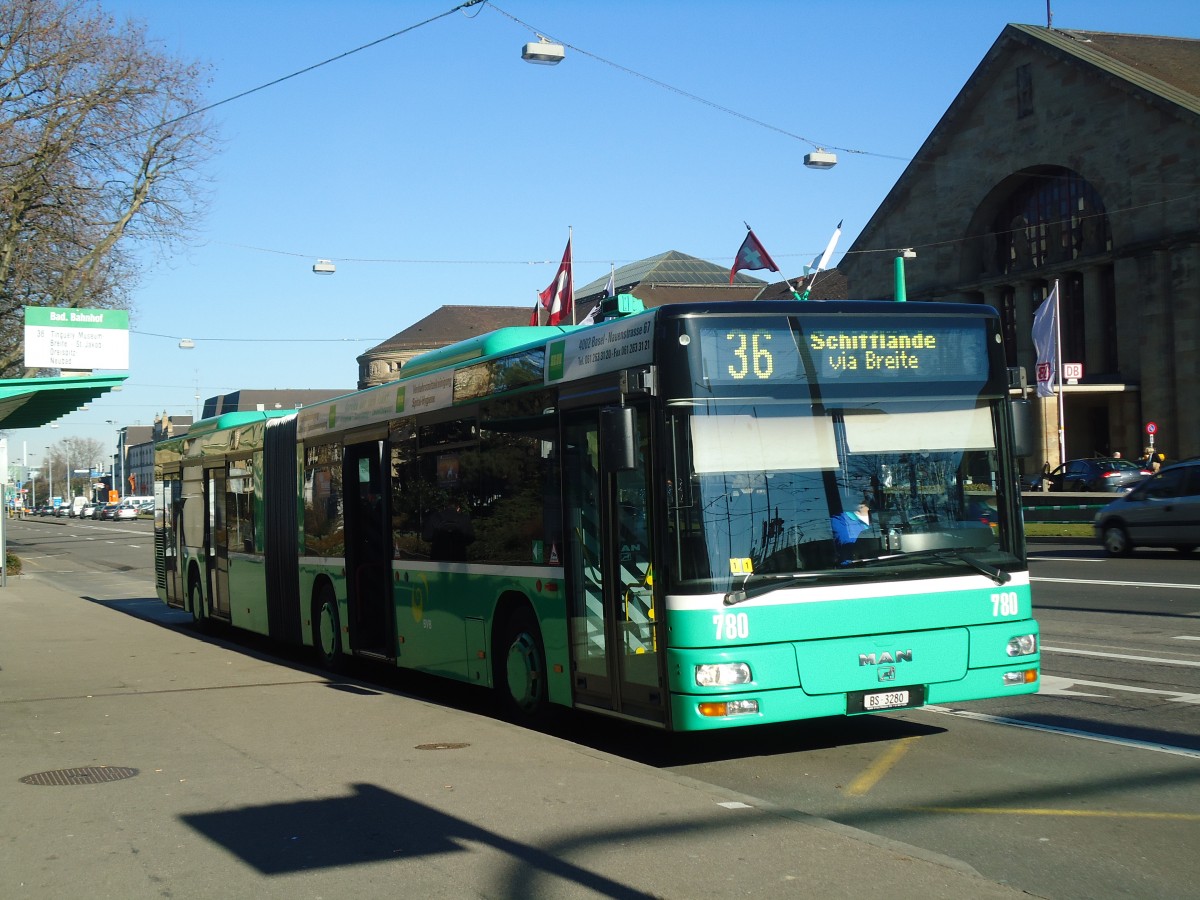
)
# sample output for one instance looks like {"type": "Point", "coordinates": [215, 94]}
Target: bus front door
{"type": "Point", "coordinates": [616, 641]}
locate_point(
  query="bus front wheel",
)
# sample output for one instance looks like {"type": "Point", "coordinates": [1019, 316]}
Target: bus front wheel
{"type": "Point", "coordinates": [327, 633]}
{"type": "Point", "coordinates": [520, 668]}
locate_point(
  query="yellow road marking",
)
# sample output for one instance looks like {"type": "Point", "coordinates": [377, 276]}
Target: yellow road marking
{"type": "Point", "coordinates": [874, 772]}
{"type": "Point", "coordinates": [1076, 813]}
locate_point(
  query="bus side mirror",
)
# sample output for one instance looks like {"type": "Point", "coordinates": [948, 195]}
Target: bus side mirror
{"type": "Point", "coordinates": [1024, 443]}
{"type": "Point", "coordinates": [618, 438]}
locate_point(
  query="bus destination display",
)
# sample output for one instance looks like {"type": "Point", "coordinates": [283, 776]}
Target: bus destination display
{"type": "Point", "coordinates": [909, 351]}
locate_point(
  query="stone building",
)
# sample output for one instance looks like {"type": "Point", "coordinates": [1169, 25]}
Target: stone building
{"type": "Point", "coordinates": [1069, 157]}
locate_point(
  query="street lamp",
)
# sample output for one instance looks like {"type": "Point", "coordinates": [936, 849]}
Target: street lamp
{"type": "Point", "coordinates": [820, 159]}
{"type": "Point", "coordinates": [50, 470]}
{"type": "Point", "coordinates": [901, 287]}
{"type": "Point", "coordinates": [543, 51]}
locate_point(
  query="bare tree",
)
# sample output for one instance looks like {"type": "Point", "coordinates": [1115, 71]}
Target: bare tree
{"type": "Point", "coordinates": [70, 462]}
{"type": "Point", "coordinates": [100, 147]}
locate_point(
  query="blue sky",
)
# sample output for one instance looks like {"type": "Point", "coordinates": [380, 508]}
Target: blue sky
{"type": "Point", "coordinates": [438, 168]}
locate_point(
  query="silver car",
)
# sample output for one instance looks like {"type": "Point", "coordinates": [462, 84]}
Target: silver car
{"type": "Point", "coordinates": [1162, 511]}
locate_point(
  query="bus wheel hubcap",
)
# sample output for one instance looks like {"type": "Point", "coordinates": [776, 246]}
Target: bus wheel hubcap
{"type": "Point", "coordinates": [326, 630]}
{"type": "Point", "coordinates": [524, 671]}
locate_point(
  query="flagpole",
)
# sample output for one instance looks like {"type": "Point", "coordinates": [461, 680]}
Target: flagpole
{"type": "Point", "coordinates": [571, 269]}
{"type": "Point", "coordinates": [1062, 435]}
{"type": "Point", "coordinates": [820, 262]}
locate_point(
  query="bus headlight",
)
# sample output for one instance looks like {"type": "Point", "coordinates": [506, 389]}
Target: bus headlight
{"type": "Point", "coordinates": [1024, 645]}
{"type": "Point", "coordinates": [721, 674]}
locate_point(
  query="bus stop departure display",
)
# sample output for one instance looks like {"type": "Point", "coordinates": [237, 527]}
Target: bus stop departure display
{"type": "Point", "coordinates": [745, 351]}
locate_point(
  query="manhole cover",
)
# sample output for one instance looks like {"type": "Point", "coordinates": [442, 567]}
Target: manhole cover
{"type": "Point", "coordinates": [82, 775]}
{"type": "Point", "coordinates": [442, 745]}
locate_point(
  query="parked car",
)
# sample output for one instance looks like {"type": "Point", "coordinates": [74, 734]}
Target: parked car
{"type": "Point", "coordinates": [131, 509]}
{"type": "Point", "coordinates": [109, 511]}
{"type": "Point", "coordinates": [98, 509]}
{"type": "Point", "coordinates": [1162, 511]}
{"type": "Point", "coordinates": [63, 511]}
{"type": "Point", "coordinates": [85, 511]}
{"type": "Point", "coordinates": [1096, 474]}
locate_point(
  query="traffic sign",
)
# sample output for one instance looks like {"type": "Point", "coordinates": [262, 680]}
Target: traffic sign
{"type": "Point", "coordinates": [1151, 428]}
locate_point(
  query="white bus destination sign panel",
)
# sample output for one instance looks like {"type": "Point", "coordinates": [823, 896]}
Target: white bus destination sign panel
{"type": "Point", "coordinates": [64, 338]}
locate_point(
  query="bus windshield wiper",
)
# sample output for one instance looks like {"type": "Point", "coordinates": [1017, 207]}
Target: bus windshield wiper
{"type": "Point", "coordinates": [944, 554]}
{"type": "Point", "coordinates": [774, 582]}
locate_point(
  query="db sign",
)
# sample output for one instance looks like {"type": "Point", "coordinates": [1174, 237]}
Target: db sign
{"type": "Point", "coordinates": [1072, 371]}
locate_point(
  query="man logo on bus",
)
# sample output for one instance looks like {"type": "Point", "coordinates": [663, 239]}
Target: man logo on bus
{"type": "Point", "coordinates": [870, 659]}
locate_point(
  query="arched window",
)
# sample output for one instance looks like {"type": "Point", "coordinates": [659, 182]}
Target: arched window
{"type": "Point", "coordinates": [1054, 215]}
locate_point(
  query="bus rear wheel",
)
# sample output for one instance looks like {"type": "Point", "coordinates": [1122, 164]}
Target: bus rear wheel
{"type": "Point", "coordinates": [520, 668]}
{"type": "Point", "coordinates": [195, 598]}
{"type": "Point", "coordinates": [327, 632]}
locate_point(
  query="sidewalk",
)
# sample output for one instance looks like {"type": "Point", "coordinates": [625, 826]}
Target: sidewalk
{"type": "Point", "coordinates": [256, 779]}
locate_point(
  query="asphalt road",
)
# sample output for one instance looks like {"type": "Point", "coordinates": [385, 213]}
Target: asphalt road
{"type": "Point", "coordinates": [1089, 789]}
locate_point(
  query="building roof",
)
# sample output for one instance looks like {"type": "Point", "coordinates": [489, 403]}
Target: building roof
{"type": "Point", "coordinates": [670, 277]}
{"type": "Point", "coordinates": [673, 268]}
{"type": "Point", "coordinates": [1167, 67]}
{"type": "Point", "coordinates": [448, 324]}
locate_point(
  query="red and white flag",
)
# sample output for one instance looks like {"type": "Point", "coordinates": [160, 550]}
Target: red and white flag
{"type": "Point", "coordinates": [752, 255]}
{"type": "Point", "coordinates": [557, 298]}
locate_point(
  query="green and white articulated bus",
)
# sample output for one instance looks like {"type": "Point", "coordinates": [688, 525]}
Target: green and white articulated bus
{"type": "Point", "coordinates": [698, 516]}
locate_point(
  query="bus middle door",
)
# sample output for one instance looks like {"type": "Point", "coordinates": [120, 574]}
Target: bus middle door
{"type": "Point", "coordinates": [217, 543]}
{"type": "Point", "coordinates": [368, 551]}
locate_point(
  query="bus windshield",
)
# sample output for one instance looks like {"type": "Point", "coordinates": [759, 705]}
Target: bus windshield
{"type": "Point", "coordinates": [864, 488]}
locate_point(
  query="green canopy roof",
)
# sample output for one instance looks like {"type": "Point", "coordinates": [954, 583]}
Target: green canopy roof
{"type": "Point", "coordinates": [33, 402]}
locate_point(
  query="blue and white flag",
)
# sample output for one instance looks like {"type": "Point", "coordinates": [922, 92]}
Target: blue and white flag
{"type": "Point", "coordinates": [1045, 341]}
{"type": "Point", "coordinates": [820, 262]}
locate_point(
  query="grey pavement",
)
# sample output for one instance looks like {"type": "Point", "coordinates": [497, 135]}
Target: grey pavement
{"type": "Point", "coordinates": [255, 778]}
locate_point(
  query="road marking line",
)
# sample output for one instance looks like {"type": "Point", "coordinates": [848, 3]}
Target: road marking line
{"type": "Point", "coordinates": [1076, 813]}
{"type": "Point", "coordinates": [1146, 584]}
{"type": "Point", "coordinates": [1190, 663]}
{"type": "Point", "coordinates": [1068, 732]}
{"type": "Point", "coordinates": [1067, 559]}
{"type": "Point", "coordinates": [1187, 637]}
{"type": "Point", "coordinates": [874, 772]}
{"type": "Point", "coordinates": [1057, 684]}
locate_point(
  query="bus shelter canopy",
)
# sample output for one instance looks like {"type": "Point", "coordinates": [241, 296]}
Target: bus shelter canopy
{"type": "Point", "coordinates": [33, 402]}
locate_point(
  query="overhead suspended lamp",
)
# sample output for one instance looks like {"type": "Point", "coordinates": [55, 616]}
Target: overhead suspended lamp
{"type": "Point", "coordinates": [820, 159]}
{"type": "Point", "coordinates": [543, 51]}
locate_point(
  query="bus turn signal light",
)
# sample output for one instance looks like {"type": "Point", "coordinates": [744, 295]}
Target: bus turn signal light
{"type": "Point", "coordinates": [726, 708]}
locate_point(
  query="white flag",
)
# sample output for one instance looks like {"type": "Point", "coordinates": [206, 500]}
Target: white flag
{"type": "Point", "coordinates": [1045, 341]}
{"type": "Point", "coordinates": [819, 263]}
